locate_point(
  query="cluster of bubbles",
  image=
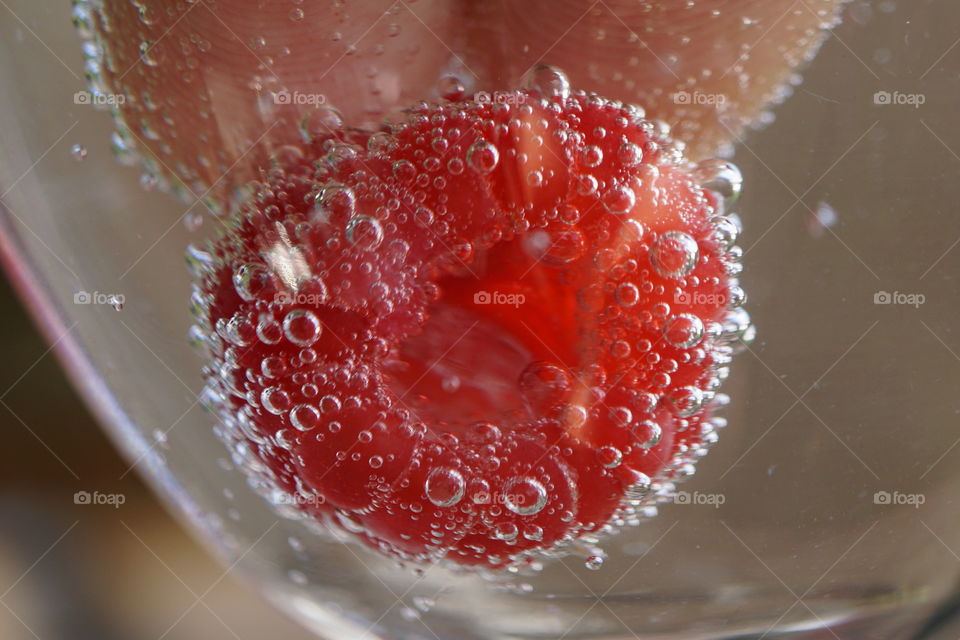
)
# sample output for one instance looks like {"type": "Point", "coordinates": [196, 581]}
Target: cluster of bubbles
{"type": "Point", "coordinates": [315, 238]}
{"type": "Point", "coordinates": [97, 66]}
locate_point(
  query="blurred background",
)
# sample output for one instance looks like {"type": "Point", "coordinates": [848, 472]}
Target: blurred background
{"type": "Point", "coordinates": [95, 571]}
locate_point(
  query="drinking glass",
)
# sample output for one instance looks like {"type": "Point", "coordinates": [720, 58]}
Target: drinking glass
{"type": "Point", "coordinates": [826, 509]}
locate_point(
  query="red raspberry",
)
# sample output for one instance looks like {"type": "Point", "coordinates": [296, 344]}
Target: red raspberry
{"type": "Point", "coordinates": [496, 329]}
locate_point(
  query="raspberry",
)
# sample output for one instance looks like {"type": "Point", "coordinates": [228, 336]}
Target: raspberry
{"type": "Point", "coordinates": [489, 331]}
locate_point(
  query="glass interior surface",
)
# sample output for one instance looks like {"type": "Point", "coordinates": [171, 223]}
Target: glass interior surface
{"type": "Point", "coordinates": [837, 472]}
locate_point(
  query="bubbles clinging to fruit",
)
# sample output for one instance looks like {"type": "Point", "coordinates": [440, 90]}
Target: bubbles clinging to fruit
{"type": "Point", "coordinates": [445, 487]}
{"type": "Point", "coordinates": [525, 496]}
{"type": "Point", "coordinates": [674, 254]}
{"type": "Point", "coordinates": [434, 336]}
{"type": "Point", "coordinates": [483, 157]}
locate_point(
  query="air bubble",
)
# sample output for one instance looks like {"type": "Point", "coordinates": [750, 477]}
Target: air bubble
{"type": "Point", "coordinates": [251, 281]}
{"type": "Point", "coordinates": [674, 254]}
{"type": "Point", "coordinates": [404, 170]}
{"type": "Point", "coordinates": [569, 214]}
{"type": "Point", "coordinates": [621, 416]}
{"type": "Point", "coordinates": [630, 154]}
{"type": "Point", "coordinates": [648, 434]}
{"type": "Point", "coordinates": [687, 401]}
{"type": "Point", "coordinates": [381, 142]}
{"type": "Point", "coordinates": [479, 491]}
{"type": "Point", "coordinates": [609, 457]}
{"type": "Point", "coordinates": [339, 152]}
{"type": "Point", "coordinates": [627, 294]}
{"type": "Point", "coordinates": [273, 367]}
{"type": "Point", "coordinates": [483, 157]}
{"type": "Point", "coordinates": [455, 166]}
{"type": "Point", "coordinates": [319, 123]}
{"type": "Point", "coordinates": [505, 531]}
{"type": "Point", "coordinates": [738, 297]}
{"type": "Point", "coordinates": [238, 331]}
{"type": "Point", "coordinates": [574, 416]}
{"type": "Point", "coordinates": [591, 156]}
{"type": "Point", "coordinates": [587, 185]}
{"type": "Point", "coordinates": [725, 232]}
{"type": "Point", "coordinates": [286, 156]}
{"type": "Point", "coordinates": [336, 202]}
{"type": "Point", "coordinates": [445, 487]}
{"type": "Point", "coordinates": [364, 232]}
{"type": "Point", "coordinates": [722, 177]}
{"type": "Point", "coordinates": [544, 385]}
{"type": "Point", "coordinates": [330, 404]}
{"type": "Point", "coordinates": [524, 496]}
{"type": "Point", "coordinates": [684, 331]}
{"type": "Point", "coordinates": [304, 417]}
{"type": "Point", "coordinates": [550, 82]}
{"type": "Point", "coordinates": [565, 247]}
{"type": "Point", "coordinates": [450, 88]}
{"type": "Point", "coordinates": [533, 532]}
{"type": "Point", "coordinates": [639, 486]}
{"type": "Point", "coordinates": [737, 327]}
{"type": "Point", "coordinates": [275, 400]}
{"type": "Point", "coordinates": [148, 55]}
{"type": "Point", "coordinates": [301, 327]}
{"type": "Point", "coordinates": [619, 199]}
{"type": "Point", "coordinates": [269, 330]}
